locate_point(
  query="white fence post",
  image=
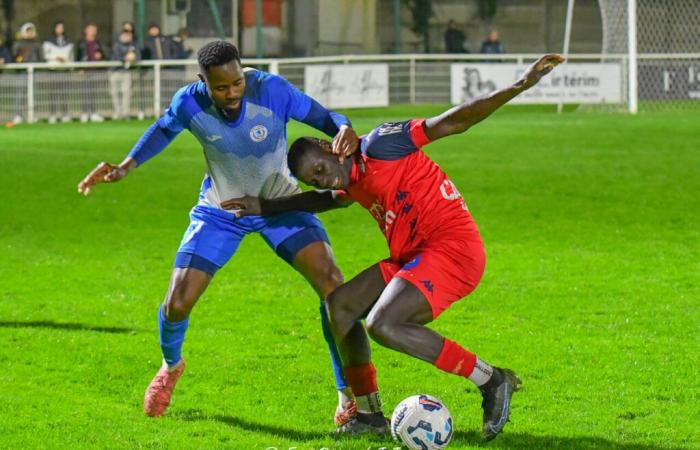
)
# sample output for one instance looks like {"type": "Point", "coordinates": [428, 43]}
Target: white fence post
{"type": "Point", "coordinates": [632, 50]}
{"type": "Point", "coordinates": [274, 67]}
{"type": "Point", "coordinates": [30, 94]}
{"type": "Point", "coordinates": [156, 89]}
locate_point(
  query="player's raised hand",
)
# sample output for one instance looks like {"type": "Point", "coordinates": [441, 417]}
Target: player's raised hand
{"type": "Point", "coordinates": [103, 173]}
{"type": "Point", "coordinates": [345, 143]}
{"type": "Point", "coordinates": [243, 206]}
{"type": "Point", "coordinates": [540, 68]}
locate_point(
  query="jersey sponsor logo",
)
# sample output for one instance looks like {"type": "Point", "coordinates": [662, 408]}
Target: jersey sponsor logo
{"type": "Point", "coordinates": [377, 211]}
{"type": "Point", "coordinates": [449, 192]}
{"type": "Point", "coordinates": [258, 133]}
{"type": "Point", "coordinates": [390, 128]}
{"type": "Point", "coordinates": [389, 218]}
{"type": "Point", "coordinates": [214, 138]}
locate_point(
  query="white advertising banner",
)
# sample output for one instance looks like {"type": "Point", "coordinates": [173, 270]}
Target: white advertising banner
{"type": "Point", "coordinates": [569, 83]}
{"type": "Point", "coordinates": [348, 85]}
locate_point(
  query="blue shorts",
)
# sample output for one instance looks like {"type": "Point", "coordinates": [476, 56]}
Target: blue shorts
{"type": "Point", "coordinates": [214, 235]}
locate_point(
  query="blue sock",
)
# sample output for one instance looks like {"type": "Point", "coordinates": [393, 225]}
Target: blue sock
{"type": "Point", "coordinates": [335, 356]}
{"type": "Point", "coordinates": [172, 335]}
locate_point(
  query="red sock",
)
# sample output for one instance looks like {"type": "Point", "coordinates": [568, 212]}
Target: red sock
{"type": "Point", "coordinates": [454, 359]}
{"type": "Point", "coordinates": [362, 379]}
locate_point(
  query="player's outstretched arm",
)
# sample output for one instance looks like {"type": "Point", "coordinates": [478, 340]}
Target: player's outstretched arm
{"type": "Point", "coordinates": [106, 173]}
{"type": "Point", "coordinates": [460, 118]}
{"type": "Point", "coordinates": [311, 201]}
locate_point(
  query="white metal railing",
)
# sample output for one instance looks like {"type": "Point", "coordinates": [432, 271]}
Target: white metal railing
{"type": "Point", "coordinates": [36, 91]}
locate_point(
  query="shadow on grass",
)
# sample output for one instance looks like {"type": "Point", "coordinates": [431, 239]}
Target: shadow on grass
{"type": "Point", "coordinates": [192, 415]}
{"type": "Point", "coordinates": [528, 441]}
{"type": "Point", "coordinates": [460, 439]}
{"type": "Point", "coordinates": [50, 324]}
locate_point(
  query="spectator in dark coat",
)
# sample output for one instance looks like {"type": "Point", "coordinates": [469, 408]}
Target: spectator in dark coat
{"type": "Point", "coordinates": [91, 49]}
{"type": "Point", "coordinates": [157, 46]}
{"type": "Point", "coordinates": [127, 52]}
{"type": "Point", "coordinates": [25, 50]}
{"type": "Point", "coordinates": [492, 44]}
{"type": "Point", "coordinates": [454, 39]}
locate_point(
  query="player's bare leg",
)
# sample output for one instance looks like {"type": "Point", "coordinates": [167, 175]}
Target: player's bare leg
{"type": "Point", "coordinates": [346, 305]}
{"type": "Point", "coordinates": [186, 286]}
{"type": "Point", "coordinates": [397, 321]}
{"type": "Point", "coordinates": [316, 263]}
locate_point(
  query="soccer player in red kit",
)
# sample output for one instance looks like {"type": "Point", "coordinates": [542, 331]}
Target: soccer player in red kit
{"type": "Point", "coordinates": [436, 253]}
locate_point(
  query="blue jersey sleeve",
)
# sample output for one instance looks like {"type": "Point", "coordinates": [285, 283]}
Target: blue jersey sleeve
{"type": "Point", "coordinates": [394, 140]}
{"type": "Point", "coordinates": [302, 108]}
{"type": "Point", "coordinates": [165, 129]}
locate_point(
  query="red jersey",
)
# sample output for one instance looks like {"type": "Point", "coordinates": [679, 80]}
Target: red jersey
{"type": "Point", "coordinates": [411, 198]}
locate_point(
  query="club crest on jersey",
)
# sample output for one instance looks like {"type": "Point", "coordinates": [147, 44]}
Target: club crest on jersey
{"type": "Point", "coordinates": [258, 133]}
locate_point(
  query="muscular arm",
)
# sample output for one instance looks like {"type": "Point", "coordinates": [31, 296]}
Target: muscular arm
{"type": "Point", "coordinates": [462, 117]}
{"type": "Point", "coordinates": [311, 201]}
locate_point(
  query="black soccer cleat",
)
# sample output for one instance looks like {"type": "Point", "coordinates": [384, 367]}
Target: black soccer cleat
{"type": "Point", "coordinates": [496, 404]}
{"type": "Point", "coordinates": [363, 424]}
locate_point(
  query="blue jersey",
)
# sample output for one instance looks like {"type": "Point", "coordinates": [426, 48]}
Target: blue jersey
{"type": "Point", "coordinates": [247, 156]}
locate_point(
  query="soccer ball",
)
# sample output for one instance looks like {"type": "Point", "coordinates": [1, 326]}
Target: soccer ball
{"type": "Point", "coordinates": [422, 422]}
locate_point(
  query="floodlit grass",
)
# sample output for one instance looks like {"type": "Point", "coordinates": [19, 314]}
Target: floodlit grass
{"type": "Point", "coordinates": [591, 225]}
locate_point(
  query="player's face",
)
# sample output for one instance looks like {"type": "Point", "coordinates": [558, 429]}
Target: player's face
{"type": "Point", "coordinates": [322, 170]}
{"type": "Point", "coordinates": [226, 84]}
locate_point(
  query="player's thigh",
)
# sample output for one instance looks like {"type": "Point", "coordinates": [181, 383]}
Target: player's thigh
{"type": "Point", "coordinates": [299, 239]}
{"type": "Point", "coordinates": [315, 262]}
{"type": "Point", "coordinates": [400, 302]}
{"type": "Point", "coordinates": [352, 300]}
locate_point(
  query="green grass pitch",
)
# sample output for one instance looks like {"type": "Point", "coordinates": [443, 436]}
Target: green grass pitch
{"type": "Point", "coordinates": [592, 228]}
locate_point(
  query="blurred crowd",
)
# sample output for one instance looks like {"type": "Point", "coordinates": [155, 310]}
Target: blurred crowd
{"type": "Point", "coordinates": [125, 48]}
{"type": "Point", "coordinates": [455, 41]}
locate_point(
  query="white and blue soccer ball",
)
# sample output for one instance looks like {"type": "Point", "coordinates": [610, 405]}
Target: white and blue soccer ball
{"type": "Point", "coordinates": [422, 422]}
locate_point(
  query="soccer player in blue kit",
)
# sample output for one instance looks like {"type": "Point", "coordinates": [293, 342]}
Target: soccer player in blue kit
{"type": "Point", "coordinates": [239, 116]}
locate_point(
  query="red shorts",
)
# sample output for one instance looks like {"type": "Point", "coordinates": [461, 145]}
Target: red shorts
{"type": "Point", "coordinates": [444, 272]}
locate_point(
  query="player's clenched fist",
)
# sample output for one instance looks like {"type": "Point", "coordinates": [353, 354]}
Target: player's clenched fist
{"type": "Point", "coordinates": [103, 173]}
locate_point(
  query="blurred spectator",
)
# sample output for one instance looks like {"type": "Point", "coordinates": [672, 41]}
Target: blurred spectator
{"type": "Point", "coordinates": [454, 39]}
{"type": "Point", "coordinates": [126, 51]}
{"type": "Point", "coordinates": [129, 26]}
{"type": "Point", "coordinates": [25, 50]}
{"type": "Point", "coordinates": [492, 44]}
{"type": "Point", "coordinates": [58, 50]}
{"type": "Point", "coordinates": [157, 46]}
{"type": "Point", "coordinates": [5, 55]}
{"type": "Point", "coordinates": [140, 91]}
{"type": "Point", "coordinates": [179, 45]}
{"type": "Point", "coordinates": [90, 49]}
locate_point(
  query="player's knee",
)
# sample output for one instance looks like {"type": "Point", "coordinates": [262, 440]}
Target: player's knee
{"type": "Point", "coordinates": [332, 278]}
{"type": "Point", "coordinates": [381, 330]}
{"type": "Point", "coordinates": [177, 307]}
{"type": "Point", "coordinates": [339, 311]}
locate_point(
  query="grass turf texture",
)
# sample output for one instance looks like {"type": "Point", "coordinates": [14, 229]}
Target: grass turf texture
{"type": "Point", "coordinates": [591, 293]}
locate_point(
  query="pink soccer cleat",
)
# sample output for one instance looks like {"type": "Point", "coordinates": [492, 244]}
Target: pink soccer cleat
{"type": "Point", "coordinates": [157, 397]}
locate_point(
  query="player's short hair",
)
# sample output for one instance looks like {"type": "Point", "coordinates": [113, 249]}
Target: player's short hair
{"type": "Point", "coordinates": [297, 152]}
{"type": "Point", "coordinates": [217, 53]}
